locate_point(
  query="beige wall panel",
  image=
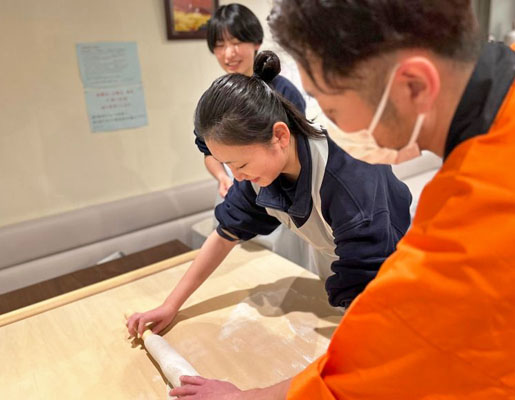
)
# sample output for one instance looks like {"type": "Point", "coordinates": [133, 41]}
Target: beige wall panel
{"type": "Point", "coordinates": [50, 162]}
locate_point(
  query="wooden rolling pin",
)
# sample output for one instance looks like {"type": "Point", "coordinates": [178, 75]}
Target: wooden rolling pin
{"type": "Point", "coordinates": [171, 362]}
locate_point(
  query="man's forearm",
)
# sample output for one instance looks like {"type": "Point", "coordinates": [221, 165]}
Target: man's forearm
{"type": "Point", "coordinates": [275, 392]}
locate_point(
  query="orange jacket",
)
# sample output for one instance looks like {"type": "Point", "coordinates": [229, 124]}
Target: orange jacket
{"type": "Point", "coordinates": [438, 322]}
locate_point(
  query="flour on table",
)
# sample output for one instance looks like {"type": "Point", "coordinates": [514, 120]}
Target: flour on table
{"type": "Point", "coordinates": [240, 316]}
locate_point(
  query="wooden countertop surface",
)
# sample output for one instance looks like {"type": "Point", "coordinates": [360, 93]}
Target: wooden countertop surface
{"type": "Point", "coordinates": [257, 320]}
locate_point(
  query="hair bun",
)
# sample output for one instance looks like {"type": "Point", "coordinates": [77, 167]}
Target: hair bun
{"type": "Point", "coordinates": [267, 65]}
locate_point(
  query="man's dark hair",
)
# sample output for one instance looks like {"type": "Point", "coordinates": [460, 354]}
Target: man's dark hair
{"type": "Point", "coordinates": [343, 33]}
{"type": "Point", "coordinates": [238, 21]}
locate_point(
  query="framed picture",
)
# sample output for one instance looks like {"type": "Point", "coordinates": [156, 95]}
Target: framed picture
{"type": "Point", "coordinates": [187, 19]}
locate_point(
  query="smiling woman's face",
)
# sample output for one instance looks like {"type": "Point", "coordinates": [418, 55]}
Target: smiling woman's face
{"type": "Point", "coordinates": [258, 163]}
{"type": "Point", "coordinates": [234, 55]}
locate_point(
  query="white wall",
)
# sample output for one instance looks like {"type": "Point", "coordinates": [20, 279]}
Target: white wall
{"type": "Point", "coordinates": [502, 15]}
{"type": "Point", "coordinates": [50, 162]}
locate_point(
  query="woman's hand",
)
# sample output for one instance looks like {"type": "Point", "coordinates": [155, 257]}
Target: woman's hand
{"type": "Point", "coordinates": [224, 183]}
{"type": "Point", "coordinates": [162, 316]}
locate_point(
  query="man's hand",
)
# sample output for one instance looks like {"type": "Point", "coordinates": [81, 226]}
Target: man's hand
{"type": "Point", "coordinates": [198, 388]}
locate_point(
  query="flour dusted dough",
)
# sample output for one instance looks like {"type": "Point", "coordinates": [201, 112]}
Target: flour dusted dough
{"type": "Point", "coordinates": [172, 363]}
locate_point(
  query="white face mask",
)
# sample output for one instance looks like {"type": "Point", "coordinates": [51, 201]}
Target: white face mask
{"type": "Point", "coordinates": [408, 152]}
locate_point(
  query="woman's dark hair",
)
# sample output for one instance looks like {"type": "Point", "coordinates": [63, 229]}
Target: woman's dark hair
{"type": "Point", "coordinates": [343, 33]}
{"type": "Point", "coordinates": [241, 110]}
{"type": "Point", "coordinates": [238, 21]}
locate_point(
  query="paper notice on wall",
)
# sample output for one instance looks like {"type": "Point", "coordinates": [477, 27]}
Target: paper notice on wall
{"type": "Point", "coordinates": [111, 77]}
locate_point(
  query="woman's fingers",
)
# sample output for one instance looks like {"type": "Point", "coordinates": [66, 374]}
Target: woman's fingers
{"type": "Point", "coordinates": [159, 327]}
{"type": "Point", "coordinates": [142, 324]}
{"type": "Point", "coordinates": [137, 323]}
{"type": "Point", "coordinates": [131, 323]}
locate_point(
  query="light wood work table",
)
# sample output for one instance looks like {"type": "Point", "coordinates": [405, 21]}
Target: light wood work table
{"type": "Point", "coordinates": [257, 320]}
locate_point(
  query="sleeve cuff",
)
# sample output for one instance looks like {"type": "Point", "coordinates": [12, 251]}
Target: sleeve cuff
{"type": "Point", "coordinates": [309, 384]}
{"type": "Point", "coordinates": [226, 234]}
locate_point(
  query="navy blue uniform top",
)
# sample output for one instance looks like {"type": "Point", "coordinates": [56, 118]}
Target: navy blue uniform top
{"type": "Point", "coordinates": [365, 205]}
{"type": "Point", "coordinates": [282, 86]}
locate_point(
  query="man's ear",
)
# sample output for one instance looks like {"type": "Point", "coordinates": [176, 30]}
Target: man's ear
{"type": "Point", "coordinates": [281, 134]}
{"type": "Point", "coordinates": [418, 85]}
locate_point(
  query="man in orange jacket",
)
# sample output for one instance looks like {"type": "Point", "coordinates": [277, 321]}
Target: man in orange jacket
{"type": "Point", "coordinates": [438, 321]}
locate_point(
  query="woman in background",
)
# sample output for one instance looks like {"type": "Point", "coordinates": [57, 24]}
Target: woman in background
{"type": "Point", "coordinates": [234, 35]}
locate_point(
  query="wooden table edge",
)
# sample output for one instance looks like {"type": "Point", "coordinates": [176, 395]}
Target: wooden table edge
{"type": "Point", "coordinates": [49, 304]}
